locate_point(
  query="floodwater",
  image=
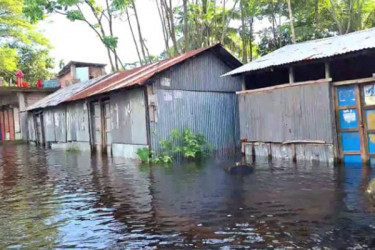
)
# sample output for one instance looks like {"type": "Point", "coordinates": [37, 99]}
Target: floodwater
{"type": "Point", "coordinates": [56, 199]}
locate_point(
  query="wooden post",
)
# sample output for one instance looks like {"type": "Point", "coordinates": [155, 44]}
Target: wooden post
{"type": "Point", "coordinates": [243, 83]}
{"type": "Point", "coordinates": [291, 75]}
{"type": "Point", "coordinates": [327, 70]}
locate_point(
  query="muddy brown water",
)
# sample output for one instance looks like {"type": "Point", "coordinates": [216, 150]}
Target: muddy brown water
{"type": "Point", "coordinates": [55, 199]}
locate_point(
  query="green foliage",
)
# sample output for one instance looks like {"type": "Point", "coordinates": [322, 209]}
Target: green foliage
{"type": "Point", "coordinates": [74, 15]}
{"type": "Point", "coordinates": [186, 143]}
{"type": "Point", "coordinates": [21, 47]}
{"type": "Point", "coordinates": [8, 59]}
{"type": "Point", "coordinates": [110, 42]}
{"type": "Point", "coordinates": [144, 155]}
{"type": "Point", "coordinates": [35, 63]}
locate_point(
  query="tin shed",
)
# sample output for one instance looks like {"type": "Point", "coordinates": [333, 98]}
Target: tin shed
{"type": "Point", "coordinates": [139, 107]}
{"type": "Point", "coordinates": [311, 101]}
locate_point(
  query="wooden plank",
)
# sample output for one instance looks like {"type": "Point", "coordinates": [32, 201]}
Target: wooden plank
{"type": "Point", "coordinates": [339, 140]}
{"type": "Point", "coordinates": [355, 81]}
{"type": "Point", "coordinates": [2, 125]}
{"type": "Point", "coordinates": [291, 75]}
{"type": "Point", "coordinates": [362, 136]}
{"type": "Point", "coordinates": [304, 142]}
{"type": "Point", "coordinates": [286, 85]}
{"type": "Point", "coordinates": [327, 70]}
{"type": "Point", "coordinates": [351, 153]}
{"type": "Point", "coordinates": [346, 107]}
{"type": "Point", "coordinates": [11, 124]}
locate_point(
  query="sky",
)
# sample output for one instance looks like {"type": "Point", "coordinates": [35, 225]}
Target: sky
{"type": "Point", "coordinates": [75, 41]}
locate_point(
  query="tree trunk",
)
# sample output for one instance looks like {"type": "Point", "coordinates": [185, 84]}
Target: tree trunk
{"type": "Point", "coordinates": [251, 38]}
{"type": "Point", "coordinates": [228, 21]}
{"type": "Point", "coordinates": [224, 20]}
{"type": "Point", "coordinates": [186, 35]}
{"type": "Point", "coordinates": [170, 22]}
{"type": "Point", "coordinates": [133, 36]}
{"type": "Point", "coordinates": [139, 32]}
{"type": "Point", "coordinates": [293, 34]}
{"type": "Point", "coordinates": [163, 24]}
{"type": "Point", "coordinates": [243, 31]}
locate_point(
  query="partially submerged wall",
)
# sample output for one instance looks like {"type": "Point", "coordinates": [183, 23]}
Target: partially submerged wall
{"type": "Point", "coordinates": [287, 116]}
{"type": "Point", "coordinates": [193, 95]}
{"type": "Point", "coordinates": [128, 122]}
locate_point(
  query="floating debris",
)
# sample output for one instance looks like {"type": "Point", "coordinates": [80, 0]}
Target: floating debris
{"type": "Point", "coordinates": [241, 169]}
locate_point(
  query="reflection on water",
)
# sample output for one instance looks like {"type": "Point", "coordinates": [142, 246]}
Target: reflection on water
{"type": "Point", "coordinates": [58, 199]}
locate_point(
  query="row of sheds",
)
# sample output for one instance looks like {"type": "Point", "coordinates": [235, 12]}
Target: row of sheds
{"type": "Point", "coordinates": [124, 111]}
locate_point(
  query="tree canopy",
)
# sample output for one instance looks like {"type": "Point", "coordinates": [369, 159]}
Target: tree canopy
{"type": "Point", "coordinates": [21, 47]}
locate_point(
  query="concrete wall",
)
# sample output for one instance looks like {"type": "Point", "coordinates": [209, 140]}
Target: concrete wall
{"type": "Point", "coordinates": [193, 95]}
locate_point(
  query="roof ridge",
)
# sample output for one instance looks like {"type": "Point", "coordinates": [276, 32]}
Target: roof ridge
{"type": "Point", "coordinates": [332, 37]}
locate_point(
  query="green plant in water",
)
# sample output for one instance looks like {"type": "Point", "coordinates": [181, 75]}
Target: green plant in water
{"type": "Point", "coordinates": [144, 155]}
{"type": "Point", "coordinates": [186, 143]}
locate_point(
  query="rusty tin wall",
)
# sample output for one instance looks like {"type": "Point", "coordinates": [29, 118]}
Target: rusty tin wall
{"type": "Point", "coordinates": [31, 127]}
{"type": "Point", "coordinates": [128, 117]}
{"type": "Point", "coordinates": [66, 123]}
{"type": "Point", "coordinates": [54, 124]}
{"type": "Point", "coordinates": [292, 113]}
{"type": "Point", "coordinates": [77, 122]}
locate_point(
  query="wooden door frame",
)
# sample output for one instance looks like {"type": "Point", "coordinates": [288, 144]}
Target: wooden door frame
{"type": "Point", "coordinates": [361, 116]}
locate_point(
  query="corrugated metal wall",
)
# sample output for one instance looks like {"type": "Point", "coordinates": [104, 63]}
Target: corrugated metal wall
{"type": "Point", "coordinates": [291, 113]}
{"type": "Point", "coordinates": [54, 124]}
{"type": "Point", "coordinates": [77, 122]}
{"type": "Point", "coordinates": [193, 95]}
{"type": "Point", "coordinates": [128, 117]}
{"type": "Point", "coordinates": [200, 74]}
{"type": "Point", "coordinates": [49, 125]}
{"type": "Point", "coordinates": [214, 115]}
{"type": "Point", "coordinates": [66, 123]}
{"type": "Point", "coordinates": [31, 127]}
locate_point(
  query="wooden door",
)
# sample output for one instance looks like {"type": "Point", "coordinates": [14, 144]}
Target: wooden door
{"type": "Point", "coordinates": [368, 114]}
{"type": "Point", "coordinates": [107, 126]}
{"type": "Point", "coordinates": [2, 126]}
{"type": "Point", "coordinates": [96, 126]}
{"type": "Point", "coordinates": [39, 129]}
{"type": "Point", "coordinates": [355, 112]}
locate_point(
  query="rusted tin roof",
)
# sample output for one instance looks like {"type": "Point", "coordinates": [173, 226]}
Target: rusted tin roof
{"type": "Point", "coordinates": [312, 50]}
{"type": "Point", "coordinates": [141, 75]}
{"type": "Point", "coordinates": [64, 94]}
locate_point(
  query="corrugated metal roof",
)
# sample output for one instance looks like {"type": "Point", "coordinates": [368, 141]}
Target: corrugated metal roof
{"type": "Point", "coordinates": [65, 93]}
{"type": "Point", "coordinates": [311, 50]}
{"type": "Point", "coordinates": [139, 76]}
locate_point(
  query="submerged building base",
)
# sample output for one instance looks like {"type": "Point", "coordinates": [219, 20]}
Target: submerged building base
{"type": "Point", "coordinates": [290, 151]}
{"type": "Point", "coordinates": [74, 146]}
{"type": "Point", "coordinates": [126, 150]}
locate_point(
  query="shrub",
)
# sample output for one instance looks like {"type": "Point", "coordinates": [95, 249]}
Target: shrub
{"type": "Point", "coordinates": [144, 155]}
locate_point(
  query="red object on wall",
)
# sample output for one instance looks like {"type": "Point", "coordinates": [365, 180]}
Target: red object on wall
{"type": "Point", "coordinates": [19, 76]}
{"type": "Point", "coordinates": [11, 124]}
{"type": "Point", "coordinates": [39, 84]}
{"type": "Point", "coordinates": [2, 125]}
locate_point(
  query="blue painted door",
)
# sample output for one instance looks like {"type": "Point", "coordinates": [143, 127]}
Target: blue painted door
{"type": "Point", "coordinates": [350, 125]}
{"type": "Point", "coordinates": [368, 101]}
